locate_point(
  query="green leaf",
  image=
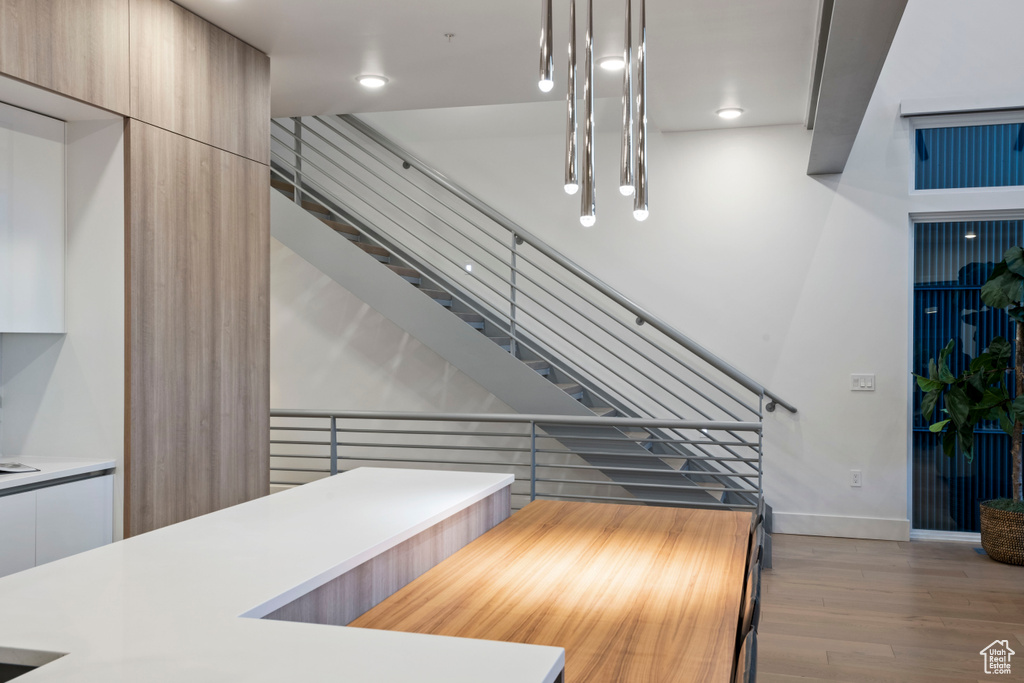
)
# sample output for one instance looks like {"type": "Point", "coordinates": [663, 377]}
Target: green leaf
{"type": "Point", "coordinates": [1002, 290]}
{"type": "Point", "coordinates": [1014, 259]}
{"type": "Point", "coordinates": [958, 405]}
{"type": "Point", "coordinates": [933, 369]}
{"type": "Point", "coordinates": [928, 403]}
{"type": "Point", "coordinates": [974, 386]}
{"type": "Point", "coordinates": [947, 351]}
{"type": "Point", "coordinates": [979, 363]}
{"type": "Point", "coordinates": [1017, 313]}
{"type": "Point", "coordinates": [1005, 423]}
{"type": "Point", "coordinates": [989, 400]}
{"type": "Point", "coordinates": [1017, 409]}
{"type": "Point", "coordinates": [949, 443]}
{"type": "Point", "coordinates": [938, 426]}
{"type": "Point", "coordinates": [929, 384]}
{"type": "Point", "coordinates": [944, 374]}
{"type": "Point", "coordinates": [965, 435]}
{"type": "Point", "coordinates": [1001, 350]}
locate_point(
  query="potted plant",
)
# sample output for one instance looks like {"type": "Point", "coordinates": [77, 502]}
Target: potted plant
{"type": "Point", "coordinates": [981, 393]}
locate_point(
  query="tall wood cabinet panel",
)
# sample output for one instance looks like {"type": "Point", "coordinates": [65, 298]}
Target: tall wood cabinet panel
{"type": "Point", "coordinates": [199, 278]}
{"type": "Point", "coordinates": [213, 87]}
{"type": "Point", "coordinates": [78, 48]}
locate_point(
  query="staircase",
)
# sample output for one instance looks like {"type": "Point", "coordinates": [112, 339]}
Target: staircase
{"type": "Point", "coordinates": [573, 334]}
{"type": "Point", "coordinates": [396, 265]}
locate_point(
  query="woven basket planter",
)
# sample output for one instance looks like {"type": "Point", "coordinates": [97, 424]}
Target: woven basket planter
{"type": "Point", "coordinates": [1002, 535]}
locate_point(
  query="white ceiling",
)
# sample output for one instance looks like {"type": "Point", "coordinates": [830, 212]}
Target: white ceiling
{"type": "Point", "coordinates": [703, 54]}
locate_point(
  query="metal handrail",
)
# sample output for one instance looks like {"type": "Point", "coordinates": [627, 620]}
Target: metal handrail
{"type": "Point", "coordinates": [491, 316]}
{"type": "Point", "coordinates": [380, 234]}
{"type": "Point", "coordinates": [555, 458]}
{"type": "Point", "coordinates": [556, 256]}
{"type": "Point", "coordinates": [520, 418]}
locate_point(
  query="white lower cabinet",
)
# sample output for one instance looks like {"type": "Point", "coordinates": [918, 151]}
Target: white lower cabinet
{"type": "Point", "coordinates": [17, 532]}
{"type": "Point", "coordinates": [72, 518]}
{"type": "Point", "coordinates": [50, 523]}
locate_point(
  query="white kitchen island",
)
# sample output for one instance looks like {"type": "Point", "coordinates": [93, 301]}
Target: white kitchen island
{"type": "Point", "coordinates": [183, 603]}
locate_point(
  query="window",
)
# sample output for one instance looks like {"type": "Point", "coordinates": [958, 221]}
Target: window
{"type": "Point", "coordinates": [969, 156]}
{"type": "Point", "coordinates": [949, 269]}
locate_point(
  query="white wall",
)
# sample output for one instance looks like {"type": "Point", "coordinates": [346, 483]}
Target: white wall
{"type": "Point", "coordinates": [798, 281]}
{"type": "Point", "coordinates": [64, 394]}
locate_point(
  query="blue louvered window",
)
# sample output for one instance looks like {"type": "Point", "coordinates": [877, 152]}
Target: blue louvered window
{"type": "Point", "coordinates": [949, 270]}
{"type": "Point", "coordinates": [969, 156]}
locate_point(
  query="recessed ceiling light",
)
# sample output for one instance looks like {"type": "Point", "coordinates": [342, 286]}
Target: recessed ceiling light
{"type": "Point", "coordinates": [373, 82]}
{"type": "Point", "coordinates": [730, 112]}
{"type": "Point", "coordinates": [611, 63]}
{"type": "Point", "coordinates": [970, 234]}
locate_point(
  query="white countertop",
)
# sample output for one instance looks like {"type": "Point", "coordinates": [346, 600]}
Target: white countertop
{"type": "Point", "coordinates": [170, 605]}
{"type": "Point", "coordinates": [50, 468]}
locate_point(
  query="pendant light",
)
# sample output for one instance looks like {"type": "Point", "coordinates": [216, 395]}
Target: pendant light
{"type": "Point", "coordinates": [572, 180]}
{"type": "Point", "coordinates": [640, 210]}
{"type": "Point", "coordinates": [547, 57]}
{"type": "Point", "coordinates": [588, 201]}
{"type": "Point", "coordinates": [626, 160]}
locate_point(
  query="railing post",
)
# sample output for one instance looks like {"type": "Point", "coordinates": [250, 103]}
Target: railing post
{"type": "Point", "coordinates": [297, 193]}
{"type": "Point", "coordinates": [512, 290]}
{"type": "Point", "coordinates": [760, 455]}
{"type": "Point", "coordinates": [533, 461]}
{"type": "Point", "coordinates": [334, 446]}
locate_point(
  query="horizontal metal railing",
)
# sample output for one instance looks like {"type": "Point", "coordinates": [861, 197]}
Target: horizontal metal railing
{"type": "Point", "coordinates": [550, 456]}
{"type": "Point", "coordinates": [570, 266]}
{"type": "Point", "coordinates": [533, 296]}
{"type": "Point", "coordinates": [545, 305]}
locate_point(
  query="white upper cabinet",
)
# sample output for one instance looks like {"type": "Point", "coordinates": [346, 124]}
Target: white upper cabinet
{"type": "Point", "coordinates": [31, 222]}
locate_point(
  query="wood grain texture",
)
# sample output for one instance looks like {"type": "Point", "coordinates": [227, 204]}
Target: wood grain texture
{"type": "Point", "coordinates": [343, 599]}
{"type": "Point", "coordinates": [198, 317]}
{"type": "Point", "coordinates": [77, 48]}
{"type": "Point", "coordinates": [633, 593]}
{"type": "Point", "coordinates": [192, 78]}
{"type": "Point", "coordinates": [902, 612]}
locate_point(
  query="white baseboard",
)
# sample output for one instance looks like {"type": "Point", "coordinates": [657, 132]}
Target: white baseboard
{"type": "Point", "coordinates": [947, 536]}
{"type": "Point", "coordinates": [841, 527]}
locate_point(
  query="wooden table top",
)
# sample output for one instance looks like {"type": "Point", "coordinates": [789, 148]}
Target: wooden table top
{"type": "Point", "coordinates": [633, 593]}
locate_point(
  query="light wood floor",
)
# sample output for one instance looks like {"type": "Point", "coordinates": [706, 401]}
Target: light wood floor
{"type": "Point", "coordinates": [907, 612]}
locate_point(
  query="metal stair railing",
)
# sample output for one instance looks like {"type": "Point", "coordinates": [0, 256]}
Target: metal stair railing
{"type": "Point", "coordinates": [307, 445]}
{"type": "Point", "coordinates": [550, 307]}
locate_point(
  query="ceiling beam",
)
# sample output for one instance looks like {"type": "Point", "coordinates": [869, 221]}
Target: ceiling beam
{"type": "Point", "coordinates": [859, 36]}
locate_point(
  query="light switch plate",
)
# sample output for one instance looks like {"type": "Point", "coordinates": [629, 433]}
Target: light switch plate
{"type": "Point", "coordinates": [862, 382]}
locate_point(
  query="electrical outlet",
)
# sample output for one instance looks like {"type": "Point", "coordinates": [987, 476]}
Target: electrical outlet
{"type": "Point", "coordinates": [862, 382]}
{"type": "Point", "coordinates": [855, 479]}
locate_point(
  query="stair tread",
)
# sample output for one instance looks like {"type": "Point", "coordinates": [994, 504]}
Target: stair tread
{"type": "Point", "coordinates": [315, 207]}
{"type": "Point", "coordinates": [602, 411]}
{"type": "Point", "coordinates": [373, 249]}
{"type": "Point", "coordinates": [569, 387]}
{"type": "Point", "coordinates": [404, 271]}
{"type": "Point", "coordinates": [470, 317]}
{"type": "Point", "coordinates": [538, 364]}
{"type": "Point", "coordinates": [340, 227]}
{"type": "Point", "coordinates": [501, 341]}
{"type": "Point", "coordinates": [282, 185]}
{"type": "Point", "coordinates": [437, 294]}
